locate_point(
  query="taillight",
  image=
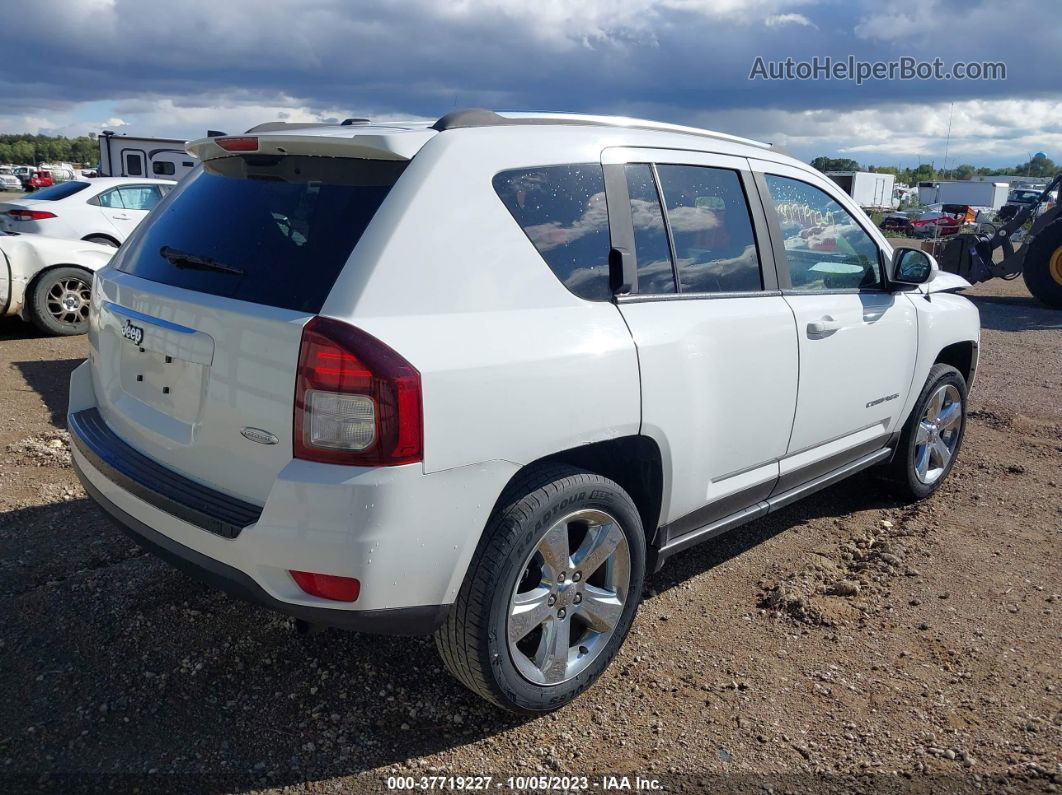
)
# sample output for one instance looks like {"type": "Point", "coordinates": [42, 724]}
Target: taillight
{"type": "Point", "coordinates": [357, 402]}
{"type": "Point", "coordinates": [238, 144]}
{"type": "Point", "coordinates": [328, 586]}
{"type": "Point", "coordinates": [30, 215]}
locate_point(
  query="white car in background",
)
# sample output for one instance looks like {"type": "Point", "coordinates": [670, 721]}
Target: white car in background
{"type": "Point", "coordinates": [103, 211]}
{"type": "Point", "coordinates": [9, 181]}
{"type": "Point", "coordinates": [47, 281]}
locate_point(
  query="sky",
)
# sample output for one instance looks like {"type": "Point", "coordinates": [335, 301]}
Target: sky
{"type": "Point", "coordinates": [176, 68]}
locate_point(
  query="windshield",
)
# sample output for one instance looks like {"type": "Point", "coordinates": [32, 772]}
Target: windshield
{"type": "Point", "coordinates": [269, 230]}
{"type": "Point", "coordinates": [60, 191]}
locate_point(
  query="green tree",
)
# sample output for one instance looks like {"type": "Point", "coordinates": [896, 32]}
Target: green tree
{"type": "Point", "coordinates": [824, 164]}
{"type": "Point", "coordinates": [33, 149]}
{"type": "Point", "coordinates": [1039, 166]}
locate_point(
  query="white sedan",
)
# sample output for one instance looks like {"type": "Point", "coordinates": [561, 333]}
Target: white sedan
{"type": "Point", "coordinates": [104, 211]}
{"type": "Point", "coordinates": [47, 281]}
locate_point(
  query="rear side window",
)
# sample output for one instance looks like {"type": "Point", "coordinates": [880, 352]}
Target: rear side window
{"type": "Point", "coordinates": [562, 210]}
{"type": "Point", "coordinates": [655, 273]}
{"type": "Point", "coordinates": [60, 191]}
{"type": "Point", "coordinates": [140, 197]}
{"type": "Point", "coordinates": [715, 248]}
{"type": "Point", "coordinates": [111, 198]}
{"type": "Point", "coordinates": [268, 230]}
{"type": "Point", "coordinates": [163, 168]}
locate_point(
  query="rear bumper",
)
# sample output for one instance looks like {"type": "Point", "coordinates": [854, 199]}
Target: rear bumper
{"type": "Point", "coordinates": [421, 620]}
{"type": "Point", "coordinates": [405, 535]}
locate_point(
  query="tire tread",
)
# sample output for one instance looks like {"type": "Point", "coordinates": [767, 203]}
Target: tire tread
{"type": "Point", "coordinates": [459, 638]}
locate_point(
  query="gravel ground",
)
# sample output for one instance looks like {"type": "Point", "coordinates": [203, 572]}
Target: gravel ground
{"type": "Point", "coordinates": [845, 644]}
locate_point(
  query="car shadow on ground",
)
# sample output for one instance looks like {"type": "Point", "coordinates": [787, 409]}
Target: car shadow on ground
{"type": "Point", "coordinates": [861, 492]}
{"type": "Point", "coordinates": [1015, 313]}
{"type": "Point", "coordinates": [13, 328]}
{"type": "Point", "coordinates": [50, 379]}
{"type": "Point", "coordinates": [117, 665]}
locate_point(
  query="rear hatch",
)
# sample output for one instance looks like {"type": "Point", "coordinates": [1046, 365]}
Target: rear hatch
{"type": "Point", "coordinates": [200, 316]}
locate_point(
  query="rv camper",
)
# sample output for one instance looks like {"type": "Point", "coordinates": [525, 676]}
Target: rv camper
{"type": "Point", "coordinates": [125, 156]}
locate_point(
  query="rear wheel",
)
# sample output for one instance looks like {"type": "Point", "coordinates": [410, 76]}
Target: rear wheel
{"type": "Point", "coordinates": [59, 303]}
{"type": "Point", "coordinates": [550, 594]}
{"type": "Point", "coordinates": [1042, 268]}
{"type": "Point", "coordinates": [932, 435]}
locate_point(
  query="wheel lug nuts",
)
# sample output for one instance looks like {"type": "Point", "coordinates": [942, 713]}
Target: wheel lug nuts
{"type": "Point", "coordinates": [577, 576]}
{"type": "Point", "coordinates": [552, 600]}
{"type": "Point", "coordinates": [562, 613]}
{"type": "Point", "coordinates": [578, 598]}
{"type": "Point", "coordinates": [561, 576]}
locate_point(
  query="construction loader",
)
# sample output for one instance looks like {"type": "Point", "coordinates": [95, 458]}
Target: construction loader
{"type": "Point", "coordinates": [1038, 258]}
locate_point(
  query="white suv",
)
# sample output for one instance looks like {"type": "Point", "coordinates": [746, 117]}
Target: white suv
{"type": "Point", "coordinates": [481, 378]}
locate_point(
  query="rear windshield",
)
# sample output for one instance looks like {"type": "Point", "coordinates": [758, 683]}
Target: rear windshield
{"type": "Point", "coordinates": [269, 230]}
{"type": "Point", "coordinates": [60, 191]}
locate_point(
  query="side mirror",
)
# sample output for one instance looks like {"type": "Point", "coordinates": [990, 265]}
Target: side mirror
{"type": "Point", "coordinates": [912, 266]}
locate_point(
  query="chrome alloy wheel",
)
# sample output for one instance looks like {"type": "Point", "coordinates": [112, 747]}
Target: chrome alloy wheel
{"type": "Point", "coordinates": [569, 598]}
{"type": "Point", "coordinates": [68, 300]}
{"type": "Point", "coordinates": [938, 434]}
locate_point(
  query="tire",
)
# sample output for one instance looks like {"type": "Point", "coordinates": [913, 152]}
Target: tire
{"type": "Point", "coordinates": [101, 240]}
{"type": "Point", "coordinates": [59, 301]}
{"type": "Point", "coordinates": [510, 564]}
{"type": "Point", "coordinates": [904, 469]}
{"type": "Point", "coordinates": [1042, 268]}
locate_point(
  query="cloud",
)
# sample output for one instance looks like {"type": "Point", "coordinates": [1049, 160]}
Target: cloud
{"type": "Point", "coordinates": [778, 20]}
{"type": "Point", "coordinates": [178, 67]}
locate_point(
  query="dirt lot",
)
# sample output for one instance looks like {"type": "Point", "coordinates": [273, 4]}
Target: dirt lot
{"type": "Point", "coordinates": [940, 671]}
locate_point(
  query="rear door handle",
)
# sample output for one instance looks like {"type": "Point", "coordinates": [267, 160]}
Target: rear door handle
{"type": "Point", "coordinates": [824, 326]}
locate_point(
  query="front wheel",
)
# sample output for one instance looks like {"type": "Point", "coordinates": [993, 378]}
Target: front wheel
{"type": "Point", "coordinates": [60, 300]}
{"type": "Point", "coordinates": [550, 594]}
{"type": "Point", "coordinates": [1042, 268]}
{"type": "Point", "coordinates": [932, 435]}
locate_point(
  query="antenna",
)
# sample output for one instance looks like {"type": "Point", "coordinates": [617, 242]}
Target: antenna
{"type": "Point", "coordinates": [947, 141]}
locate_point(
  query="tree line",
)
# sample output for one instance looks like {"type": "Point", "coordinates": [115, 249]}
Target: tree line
{"type": "Point", "coordinates": [30, 150]}
{"type": "Point", "coordinates": [1039, 166]}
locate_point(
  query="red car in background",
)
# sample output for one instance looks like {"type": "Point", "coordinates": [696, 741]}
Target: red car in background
{"type": "Point", "coordinates": [39, 179]}
{"type": "Point", "coordinates": [943, 223]}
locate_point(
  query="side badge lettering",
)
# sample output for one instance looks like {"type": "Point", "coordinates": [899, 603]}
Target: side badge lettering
{"type": "Point", "coordinates": [881, 400]}
{"type": "Point", "coordinates": [259, 436]}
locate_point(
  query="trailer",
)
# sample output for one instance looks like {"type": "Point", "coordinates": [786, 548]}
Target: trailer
{"type": "Point", "coordinates": [975, 194]}
{"type": "Point", "coordinates": [1039, 258]}
{"type": "Point", "coordinates": [867, 189]}
{"type": "Point", "coordinates": [126, 156]}
{"type": "Point", "coordinates": [927, 192]}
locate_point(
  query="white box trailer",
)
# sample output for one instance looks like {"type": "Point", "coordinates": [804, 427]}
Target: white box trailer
{"type": "Point", "coordinates": [975, 194]}
{"type": "Point", "coordinates": [927, 192]}
{"type": "Point", "coordinates": [126, 156]}
{"type": "Point", "coordinates": [866, 188]}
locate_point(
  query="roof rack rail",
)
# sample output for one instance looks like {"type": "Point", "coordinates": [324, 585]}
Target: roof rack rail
{"type": "Point", "coordinates": [481, 117]}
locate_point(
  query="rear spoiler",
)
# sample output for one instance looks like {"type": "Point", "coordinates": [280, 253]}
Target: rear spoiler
{"type": "Point", "coordinates": [371, 146]}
